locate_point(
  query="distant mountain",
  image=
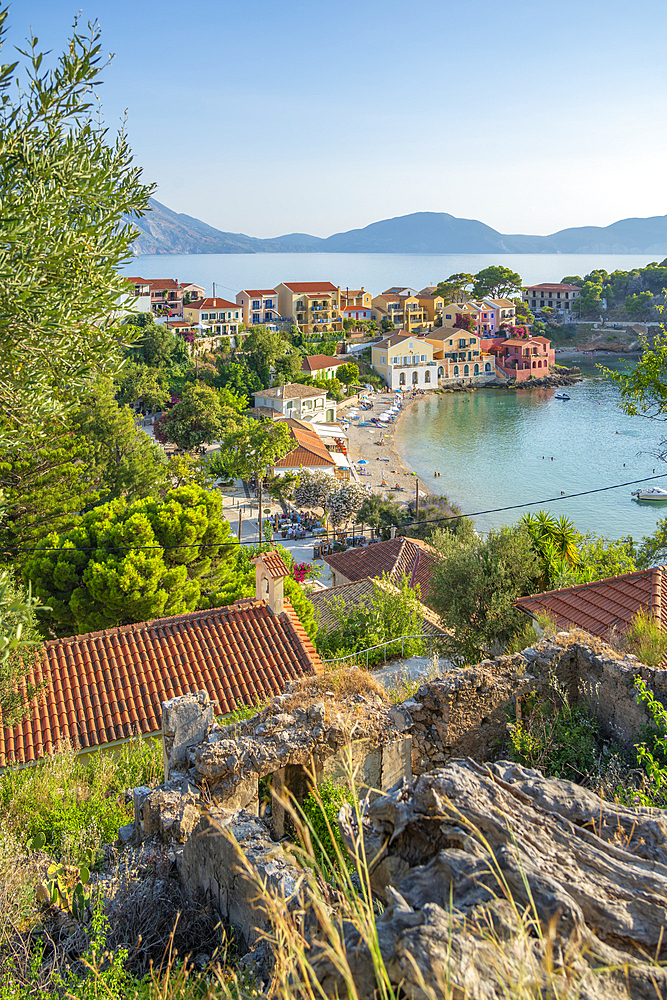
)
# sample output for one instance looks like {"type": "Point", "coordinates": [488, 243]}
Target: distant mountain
{"type": "Point", "coordinates": [165, 231]}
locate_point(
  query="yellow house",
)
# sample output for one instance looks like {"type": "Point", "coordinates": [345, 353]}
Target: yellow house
{"type": "Point", "coordinates": [355, 297]}
{"type": "Point", "coordinates": [434, 305]}
{"type": "Point", "coordinates": [403, 307]}
{"type": "Point", "coordinates": [313, 305]}
{"type": "Point", "coordinates": [459, 353]}
{"type": "Point", "coordinates": [405, 362]}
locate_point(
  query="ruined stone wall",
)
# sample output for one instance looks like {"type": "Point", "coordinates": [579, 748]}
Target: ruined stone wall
{"type": "Point", "coordinates": [464, 713]}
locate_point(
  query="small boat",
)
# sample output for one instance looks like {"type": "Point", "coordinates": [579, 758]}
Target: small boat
{"type": "Point", "coordinates": [655, 495]}
{"type": "Point", "coordinates": [562, 395]}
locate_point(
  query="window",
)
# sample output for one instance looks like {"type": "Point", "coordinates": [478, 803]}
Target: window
{"type": "Point", "coordinates": [456, 369]}
{"type": "Point", "coordinates": [256, 317]}
{"type": "Point", "coordinates": [448, 316]}
{"type": "Point", "coordinates": [394, 361]}
{"type": "Point", "coordinates": [204, 315]}
{"type": "Point", "coordinates": [256, 304]}
{"type": "Point", "coordinates": [427, 378]}
{"type": "Point", "coordinates": [451, 342]}
{"type": "Point", "coordinates": [466, 369]}
{"type": "Point", "coordinates": [382, 359]}
{"type": "Point", "coordinates": [290, 404]}
{"type": "Point", "coordinates": [410, 345]}
{"type": "Point", "coordinates": [472, 340]}
{"type": "Point", "coordinates": [423, 357]}
{"type": "Point", "coordinates": [269, 304]}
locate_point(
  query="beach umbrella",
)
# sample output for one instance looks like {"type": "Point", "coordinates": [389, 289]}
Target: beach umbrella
{"type": "Point", "coordinates": [362, 461]}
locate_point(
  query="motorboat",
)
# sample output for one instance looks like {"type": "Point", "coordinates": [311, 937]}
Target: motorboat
{"type": "Point", "coordinates": [562, 395]}
{"type": "Point", "coordinates": [654, 495]}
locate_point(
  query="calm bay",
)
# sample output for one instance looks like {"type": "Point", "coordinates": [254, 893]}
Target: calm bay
{"type": "Point", "coordinates": [498, 448]}
{"type": "Point", "coordinates": [488, 444]}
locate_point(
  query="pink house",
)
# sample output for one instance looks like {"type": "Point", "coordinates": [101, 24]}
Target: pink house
{"type": "Point", "coordinates": [522, 357]}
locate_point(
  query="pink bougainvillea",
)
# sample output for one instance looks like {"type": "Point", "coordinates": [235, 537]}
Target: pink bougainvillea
{"type": "Point", "coordinates": [301, 571]}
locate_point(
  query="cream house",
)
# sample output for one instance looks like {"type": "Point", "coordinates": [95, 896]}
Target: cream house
{"type": "Point", "coordinates": [304, 402]}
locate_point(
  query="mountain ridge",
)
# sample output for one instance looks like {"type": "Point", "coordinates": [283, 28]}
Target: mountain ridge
{"type": "Point", "coordinates": [163, 231]}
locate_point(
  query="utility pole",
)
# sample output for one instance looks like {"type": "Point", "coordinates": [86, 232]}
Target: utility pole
{"type": "Point", "coordinates": [240, 514]}
{"type": "Point", "coordinates": [416, 498]}
{"type": "Point", "coordinates": [261, 483]}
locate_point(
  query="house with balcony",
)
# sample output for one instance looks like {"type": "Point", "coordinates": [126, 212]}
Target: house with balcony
{"type": "Point", "coordinates": [191, 291]}
{"type": "Point", "coordinates": [405, 362]}
{"type": "Point", "coordinates": [454, 309]}
{"type": "Point", "coordinates": [460, 354]}
{"type": "Point", "coordinates": [213, 317]}
{"type": "Point", "coordinates": [403, 307]}
{"type": "Point", "coordinates": [166, 297]}
{"type": "Point", "coordinates": [138, 297]}
{"type": "Point", "coordinates": [314, 306]}
{"type": "Point", "coordinates": [304, 402]}
{"type": "Point", "coordinates": [522, 358]}
{"type": "Point", "coordinates": [562, 298]}
{"type": "Point", "coordinates": [434, 305]}
{"type": "Point", "coordinates": [355, 297]}
{"type": "Point", "coordinates": [259, 306]}
{"type": "Point", "coordinates": [499, 312]}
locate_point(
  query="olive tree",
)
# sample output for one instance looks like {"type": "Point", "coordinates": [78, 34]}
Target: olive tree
{"type": "Point", "coordinates": [68, 191]}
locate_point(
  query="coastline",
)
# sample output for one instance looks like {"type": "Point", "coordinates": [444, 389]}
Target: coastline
{"type": "Point", "coordinates": [385, 468]}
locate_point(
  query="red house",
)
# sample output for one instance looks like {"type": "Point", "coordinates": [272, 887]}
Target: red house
{"type": "Point", "coordinates": [521, 357]}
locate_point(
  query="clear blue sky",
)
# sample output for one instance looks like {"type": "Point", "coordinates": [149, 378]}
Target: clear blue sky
{"type": "Point", "coordinates": [270, 117]}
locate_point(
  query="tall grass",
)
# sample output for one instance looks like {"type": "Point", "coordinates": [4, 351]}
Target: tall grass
{"type": "Point", "coordinates": [646, 639]}
{"type": "Point", "coordinates": [77, 802]}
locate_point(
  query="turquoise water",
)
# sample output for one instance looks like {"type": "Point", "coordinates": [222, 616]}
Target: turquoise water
{"type": "Point", "coordinates": [494, 448]}
{"type": "Point", "coordinates": [375, 271]}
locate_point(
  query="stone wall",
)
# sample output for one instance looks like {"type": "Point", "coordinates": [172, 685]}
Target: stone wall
{"type": "Point", "coordinates": [463, 714]}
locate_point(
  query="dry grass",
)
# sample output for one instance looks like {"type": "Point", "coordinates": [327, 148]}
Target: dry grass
{"type": "Point", "coordinates": [349, 682]}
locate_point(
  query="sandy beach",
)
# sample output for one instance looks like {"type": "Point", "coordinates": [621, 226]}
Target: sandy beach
{"type": "Point", "coordinates": [384, 468]}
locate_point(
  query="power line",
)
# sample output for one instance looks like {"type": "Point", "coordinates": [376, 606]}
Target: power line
{"type": "Point", "coordinates": [535, 503]}
{"type": "Point", "coordinates": [430, 520]}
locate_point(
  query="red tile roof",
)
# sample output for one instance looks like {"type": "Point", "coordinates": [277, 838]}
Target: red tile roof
{"type": "Point", "coordinates": [211, 304]}
{"type": "Point", "coordinates": [549, 286]}
{"type": "Point", "coordinates": [310, 448]}
{"type": "Point", "coordinates": [307, 287]}
{"type": "Point", "coordinates": [258, 291]}
{"type": "Point", "coordinates": [274, 563]}
{"type": "Point", "coordinates": [398, 557]}
{"type": "Point", "coordinates": [158, 283]}
{"type": "Point", "coordinates": [604, 607]}
{"type": "Point", "coordinates": [107, 686]}
{"type": "Point", "coordinates": [315, 362]}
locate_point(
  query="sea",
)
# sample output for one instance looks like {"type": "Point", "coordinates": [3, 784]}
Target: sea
{"type": "Point", "coordinates": [499, 453]}
{"type": "Point", "coordinates": [374, 271]}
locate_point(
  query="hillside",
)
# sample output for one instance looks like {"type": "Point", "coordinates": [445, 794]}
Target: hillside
{"type": "Point", "coordinates": [166, 231]}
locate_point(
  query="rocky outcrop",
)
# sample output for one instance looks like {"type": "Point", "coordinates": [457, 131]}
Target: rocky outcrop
{"type": "Point", "coordinates": [492, 872]}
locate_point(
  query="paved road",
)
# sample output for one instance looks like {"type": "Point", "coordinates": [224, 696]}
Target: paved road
{"type": "Point", "coordinates": [302, 549]}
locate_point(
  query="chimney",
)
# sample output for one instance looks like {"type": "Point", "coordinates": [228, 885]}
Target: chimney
{"type": "Point", "coordinates": [270, 571]}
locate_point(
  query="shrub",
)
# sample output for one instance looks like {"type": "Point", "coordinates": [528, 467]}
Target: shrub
{"type": "Point", "coordinates": [320, 810]}
{"type": "Point", "coordinates": [559, 739]}
{"type": "Point", "coordinates": [646, 639]}
{"type": "Point", "coordinates": [78, 804]}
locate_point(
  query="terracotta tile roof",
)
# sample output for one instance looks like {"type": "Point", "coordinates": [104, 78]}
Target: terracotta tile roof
{"type": "Point", "coordinates": [605, 606]}
{"type": "Point", "coordinates": [315, 362]}
{"type": "Point", "coordinates": [354, 594]}
{"type": "Point", "coordinates": [310, 287]}
{"type": "Point", "coordinates": [548, 286]}
{"type": "Point", "coordinates": [274, 563]}
{"type": "Point", "coordinates": [396, 338]}
{"type": "Point", "coordinates": [310, 448]}
{"type": "Point", "coordinates": [211, 304]}
{"type": "Point", "coordinates": [106, 686]}
{"type": "Point", "coordinates": [257, 291]}
{"type": "Point", "coordinates": [398, 557]}
{"type": "Point", "coordinates": [293, 390]}
{"type": "Point", "coordinates": [159, 283]}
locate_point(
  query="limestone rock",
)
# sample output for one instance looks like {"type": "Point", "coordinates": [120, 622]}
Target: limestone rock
{"type": "Point", "coordinates": [470, 847]}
